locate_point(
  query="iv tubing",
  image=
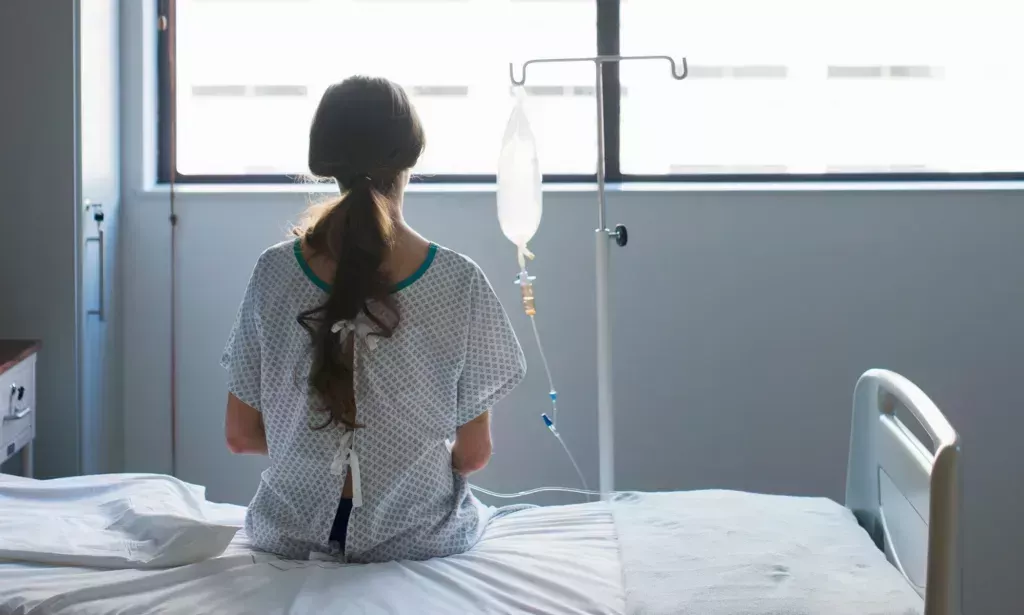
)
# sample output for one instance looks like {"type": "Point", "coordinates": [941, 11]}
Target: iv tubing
{"type": "Point", "coordinates": [510, 496]}
{"type": "Point", "coordinates": [583, 481]}
{"type": "Point", "coordinates": [551, 382]}
{"type": "Point", "coordinates": [525, 283]}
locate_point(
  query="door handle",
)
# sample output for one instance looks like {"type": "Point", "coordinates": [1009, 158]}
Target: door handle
{"type": "Point", "coordinates": [20, 414]}
{"type": "Point", "coordinates": [97, 216]}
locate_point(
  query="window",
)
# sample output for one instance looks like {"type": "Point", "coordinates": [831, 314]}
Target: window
{"type": "Point", "coordinates": [826, 87]}
{"type": "Point", "coordinates": [250, 74]}
{"type": "Point", "coordinates": [778, 89]}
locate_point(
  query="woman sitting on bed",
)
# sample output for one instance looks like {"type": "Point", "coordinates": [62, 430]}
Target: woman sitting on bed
{"type": "Point", "coordinates": [359, 351]}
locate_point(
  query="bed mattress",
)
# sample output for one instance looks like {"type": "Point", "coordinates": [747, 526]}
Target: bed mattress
{"type": "Point", "coordinates": [714, 552]}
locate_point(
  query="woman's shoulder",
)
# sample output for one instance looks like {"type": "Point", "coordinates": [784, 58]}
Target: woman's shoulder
{"type": "Point", "coordinates": [280, 256]}
{"type": "Point", "coordinates": [458, 264]}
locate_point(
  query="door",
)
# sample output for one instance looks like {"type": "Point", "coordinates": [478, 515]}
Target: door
{"type": "Point", "coordinates": [102, 437]}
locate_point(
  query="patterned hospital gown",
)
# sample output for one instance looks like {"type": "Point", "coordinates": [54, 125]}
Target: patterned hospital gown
{"type": "Point", "coordinates": [452, 357]}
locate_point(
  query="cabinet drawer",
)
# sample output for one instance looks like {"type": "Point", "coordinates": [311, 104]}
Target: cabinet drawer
{"type": "Point", "coordinates": [17, 394]}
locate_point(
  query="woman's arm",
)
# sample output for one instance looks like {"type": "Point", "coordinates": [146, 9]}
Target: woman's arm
{"type": "Point", "coordinates": [472, 448]}
{"type": "Point", "coordinates": [243, 428]}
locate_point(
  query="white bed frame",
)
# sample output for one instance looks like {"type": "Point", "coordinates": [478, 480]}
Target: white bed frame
{"type": "Point", "coordinates": [905, 492]}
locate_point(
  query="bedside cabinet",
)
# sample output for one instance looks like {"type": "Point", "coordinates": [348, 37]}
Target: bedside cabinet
{"type": "Point", "coordinates": [18, 400]}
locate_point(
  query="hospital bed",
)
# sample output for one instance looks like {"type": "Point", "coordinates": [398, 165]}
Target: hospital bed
{"type": "Point", "coordinates": [890, 551]}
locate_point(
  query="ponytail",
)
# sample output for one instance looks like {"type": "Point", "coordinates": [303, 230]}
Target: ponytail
{"type": "Point", "coordinates": [357, 232]}
{"type": "Point", "coordinates": [366, 136]}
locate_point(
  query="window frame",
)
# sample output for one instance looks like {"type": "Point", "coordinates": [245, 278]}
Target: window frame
{"type": "Point", "coordinates": [608, 30]}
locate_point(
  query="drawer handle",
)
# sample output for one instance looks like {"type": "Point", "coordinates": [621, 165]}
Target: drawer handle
{"type": "Point", "coordinates": [20, 414]}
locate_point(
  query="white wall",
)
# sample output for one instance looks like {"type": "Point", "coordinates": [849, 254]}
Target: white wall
{"type": "Point", "coordinates": [741, 322]}
{"type": "Point", "coordinates": [38, 213]}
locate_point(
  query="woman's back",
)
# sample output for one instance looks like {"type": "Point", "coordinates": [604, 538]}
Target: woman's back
{"type": "Point", "coordinates": [451, 358]}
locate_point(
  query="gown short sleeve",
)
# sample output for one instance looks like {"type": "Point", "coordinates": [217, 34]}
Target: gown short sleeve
{"type": "Point", "coordinates": [494, 363]}
{"type": "Point", "coordinates": [242, 354]}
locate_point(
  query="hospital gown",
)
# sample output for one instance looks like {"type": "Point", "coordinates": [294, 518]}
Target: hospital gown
{"type": "Point", "coordinates": [452, 357]}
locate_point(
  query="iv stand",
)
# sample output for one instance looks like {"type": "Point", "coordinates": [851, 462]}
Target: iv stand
{"type": "Point", "coordinates": [605, 401]}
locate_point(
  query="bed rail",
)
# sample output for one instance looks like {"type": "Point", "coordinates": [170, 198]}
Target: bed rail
{"type": "Point", "coordinates": [906, 491]}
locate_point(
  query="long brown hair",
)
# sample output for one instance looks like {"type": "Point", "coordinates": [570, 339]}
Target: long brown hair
{"type": "Point", "coordinates": [366, 136]}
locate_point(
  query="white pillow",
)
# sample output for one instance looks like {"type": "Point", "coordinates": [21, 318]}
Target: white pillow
{"type": "Point", "coordinates": [109, 521]}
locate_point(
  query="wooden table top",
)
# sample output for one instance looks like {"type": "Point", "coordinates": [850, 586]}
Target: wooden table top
{"type": "Point", "coordinates": [13, 352]}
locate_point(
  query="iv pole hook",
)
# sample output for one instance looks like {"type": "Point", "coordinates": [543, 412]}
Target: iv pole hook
{"type": "Point", "coordinates": [680, 70]}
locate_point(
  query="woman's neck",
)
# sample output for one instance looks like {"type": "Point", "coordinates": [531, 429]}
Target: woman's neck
{"type": "Point", "coordinates": [404, 258]}
{"type": "Point", "coordinates": [407, 254]}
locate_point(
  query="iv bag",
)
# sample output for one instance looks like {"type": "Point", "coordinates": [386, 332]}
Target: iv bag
{"type": "Point", "coordinates": [519, 191]}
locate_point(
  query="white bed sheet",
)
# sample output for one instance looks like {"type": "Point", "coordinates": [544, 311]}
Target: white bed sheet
{"type": "Point", "coordinates": [700, 552]}
{"type": "Point", "coordinates": [733, 553]}
{"type": "Point", "coordinates": [547, 560]}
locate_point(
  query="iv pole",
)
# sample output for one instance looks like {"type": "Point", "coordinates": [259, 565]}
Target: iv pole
{"type": "Point", "coordinates": [605, 401]}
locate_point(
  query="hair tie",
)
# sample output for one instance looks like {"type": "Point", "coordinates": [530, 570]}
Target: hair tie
{"type": "Point", "coordinates": [360, 179]}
